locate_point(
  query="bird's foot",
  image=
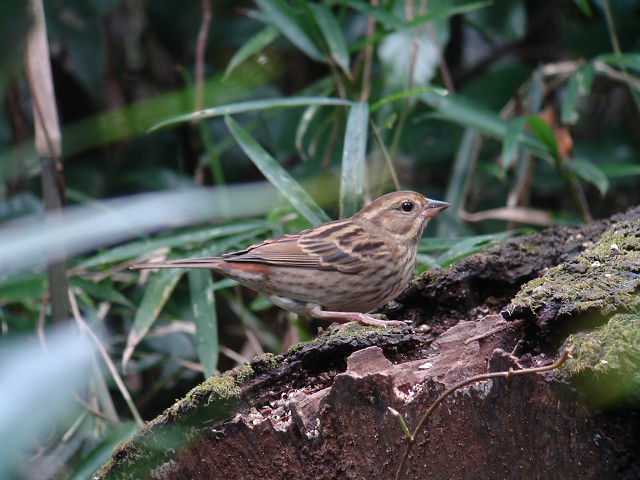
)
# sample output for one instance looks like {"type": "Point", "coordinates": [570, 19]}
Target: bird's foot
{"type": "Point", "coordinates": [363, 319]}
{"type": "Point", "coordinates": [315, 311]}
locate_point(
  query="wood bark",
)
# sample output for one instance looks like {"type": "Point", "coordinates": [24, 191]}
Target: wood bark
{"type": "Point", "coordinates": [321, 410]}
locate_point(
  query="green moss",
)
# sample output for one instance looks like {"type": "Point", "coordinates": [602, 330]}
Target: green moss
{"type": "Point", "coordinates": [600, 278]}
{"type": "Point", "coordinates": [298, 346]}
{"type": "Point", "coordinates": [606, 361]}
{"type": "Point", "coordinates": [242, 373]}
{"type": "Point", "coordinates": [268, 359]}
{"type": "Point", "coordinates": [354, 329]}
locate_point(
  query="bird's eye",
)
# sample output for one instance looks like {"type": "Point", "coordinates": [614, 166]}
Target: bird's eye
{"type": "Point", "coordinates": [406, 207]}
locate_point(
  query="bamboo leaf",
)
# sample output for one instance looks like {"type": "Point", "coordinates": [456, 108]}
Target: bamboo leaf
{"type": "Point", "coordinates": [158, 290]}
{"type": "Point", "coordinates": [280, 16]}
{"type": "Point", "coordinates": [100, 291]}
{"type": "Point", "coordinates": [204, 313]}
{"type": "Point", "coordinates": [332, 35]}
{"type": "Point", "coordinates": [277, 175]}
{"type": "Point", "coordinates": [353, 160]}
{"type": "Point", "coordinates": [183, 240]}
{"type": "Point", "coordinates": [99, 455]}
{"type": "Point", "coordinates": [515, 127]}
{"type": "Point", "coordinates": [252, 46]}
{"type": "Point", "coordinates": [628, 60]}
{"type": "Point", "coordinates": [251, 106]}
{"type": "Point", "coordinates": [469, 246]}
{"type": "Point", "coordinates": [590, 173]}
{"type": "Point", "coordinates": [462, 111]}
{"type": "Point", "coordinates": [386, 18]}
{"type": "Point", "coordinates": [544, 133]}
{"type": "Point", "coordinates": [579, 86]}
{"type": "Point", "coordinates": [407, 93]}
{"type": "Point", "coordinates": [584, 7]}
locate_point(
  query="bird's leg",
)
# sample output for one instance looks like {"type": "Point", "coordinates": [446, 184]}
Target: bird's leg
{"type": "Point", "coordinates": [314, 310]}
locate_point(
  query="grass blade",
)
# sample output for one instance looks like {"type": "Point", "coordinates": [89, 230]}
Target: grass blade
{"type": "Point", "coordinates": [158, 290]}
{"type": "Point", "coordinates": [579, 86]}
{"type": "Point", "coordinates": [251, 106]}
{"type": "Point", "coordinates": [590, 173]}
{"type": "Point", "coordinates": [252, 46]}
{"type": "Point", "coordinates": [353, 160]}
{"type": "Point", "coordinates": [469, 246]}
{"type": "Point", "coordinates": [462, 111]}
{"type": "Point", "coordinates": [332, 35]}
{"type": "Point", "coordinates": [463, 168]}
{"type": "Point", "coordinates": [407, 93]}
{"type": "Point", "coordinates": [141, 247]}
{"type": "Point", "coordinates": [280, 16]}
{"type": "Point", "coordinates": [99, 455]}
{"type": "Point", "coordinates": [277, 175]}
{"type": "Point", "coordinates": [203, 304]}
{"type": "Point", "coordinates": [515, 127]}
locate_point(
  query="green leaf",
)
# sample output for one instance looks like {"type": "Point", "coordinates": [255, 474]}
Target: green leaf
{"type": "Point", "coordinates": [543, 132]}
{"type": "Point", "coordinates": [303, 127]}
{"type": "Point", "coordinates": [621, 170]}
{"type": "Point", "coordinates": [579, 86]}
{"type": "Point", "coordinates": [23, 287]}
{"type": "Point", "coordinates": [277, 175]}
{"type": "Point", "coordinates": [405, 94]}
{"type": "Point", "coordinates": [158, 290]}
{"type": "Point", "coordinates": [252, 46]}
{"type": "Point", "coordinates": [353, 160]}
{"type": "Point", "coordinates": [100, 454]}
{"type": "Point", "coordinates": [280, 16]}
{"type": "Point", "coordinates": [251, 106]}
{"type": "Point", "coordinates": [628, 60]}
{"type": "Point", "coordinates": [584, 7]}
{"type": "Point", "coordinates": [447, 12]}
{"type": "Point", "coordinates": [426, 260]}
{"type": "Point", "coordinates": [182, 240]}
{"type": "Point", "coordinates": [384, 17]}
{"type": "Point", "coordinates": [511, 141]}
{"type": "Point", "coordinates": [203, 304]}
{"type": "Point", "coordinates": [462, 169]}
{"type": "Point", "coordinates": [251, 322]}
{"type": "Point", "coordinates": [589, 172]}
{"type": "Point", "coordinates": [332, 36]}
{"type": "Point", "coordinates": [100, 291]}
{"type": "Point", "coordinates": [469, 246]}
{"type": "Point", "coordinates": [462, 111]}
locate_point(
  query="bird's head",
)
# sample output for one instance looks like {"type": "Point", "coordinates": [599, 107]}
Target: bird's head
{"type": "Point", "coordinates": [404, 214]}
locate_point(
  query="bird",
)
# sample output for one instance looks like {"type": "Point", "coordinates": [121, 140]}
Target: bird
{"type": "Point", "coordinates": [337, 271]}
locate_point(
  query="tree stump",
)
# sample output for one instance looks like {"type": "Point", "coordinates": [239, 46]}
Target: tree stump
{"type": "Point", "coordinates": [321, 409]}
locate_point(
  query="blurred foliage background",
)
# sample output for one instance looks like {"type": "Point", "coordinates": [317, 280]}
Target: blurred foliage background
{"type": "Point", "coordinates": [191, 129]}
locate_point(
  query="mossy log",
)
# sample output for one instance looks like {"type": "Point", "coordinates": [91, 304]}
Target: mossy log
{"type": "Point", "coordinates": [321, 409]}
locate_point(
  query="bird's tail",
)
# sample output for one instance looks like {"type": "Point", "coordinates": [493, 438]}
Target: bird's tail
{"type": "Point", "coordinates": [206, 262]}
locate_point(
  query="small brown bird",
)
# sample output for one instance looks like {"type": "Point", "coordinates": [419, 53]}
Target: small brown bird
{"type": "Point", "coordinates": [337, 271]}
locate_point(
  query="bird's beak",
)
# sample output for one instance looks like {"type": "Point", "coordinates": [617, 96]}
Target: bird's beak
{"type": "Point", "coordinates": [433, 207]}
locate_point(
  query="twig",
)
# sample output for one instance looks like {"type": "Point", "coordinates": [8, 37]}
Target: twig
{"type": "Point", "coordinates": [508, 374]}
{"type": "Point", "coordinates": [41, 320]}
{"type": "Point", "coordinates": [615, 44]}
{"type": "Point", "coordinates": [201, 45]}
{"type": "Point", "coordinates": [368, 58]}
{"type": "Point", "coordinates": [444, 68]}
{"type": "Point", "coordinates": [105, 356]}
{"type": "Point", "coordinates": [500, 326]}
{"type": "Point", "coordinates": [385, 154]}
{"type": "Point", "coordinates": [48, 146]}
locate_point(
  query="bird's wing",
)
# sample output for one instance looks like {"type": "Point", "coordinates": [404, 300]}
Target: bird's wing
{"type": "Point", "coordinates": [340, 245]}
{"type": "Point", "coordinates": [281, 251]}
